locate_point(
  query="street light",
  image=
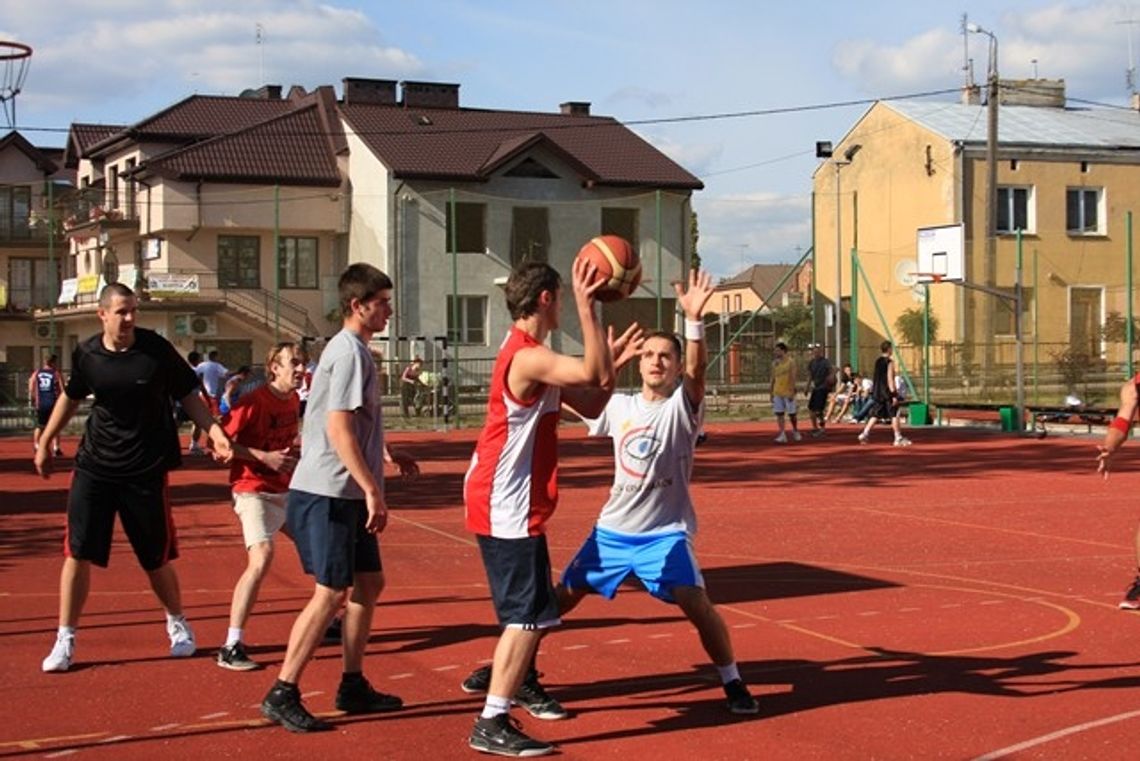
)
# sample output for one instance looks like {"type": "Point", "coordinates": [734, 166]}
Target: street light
{"type": "Point", "coordinates": [989, 262]}
{"type": "Point", "coordinates": [823, 150]}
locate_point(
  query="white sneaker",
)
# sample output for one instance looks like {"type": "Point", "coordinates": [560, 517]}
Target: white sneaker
{"type": "Point", "coordinates": [796, 436]}
{"type": "Point", "coordinates": [781, 439]}
{"type": "Point", "coordinates": [902, 441]}
{"type": "Point", "coordinates": [862, 438]}
{"type": "Point", "coordinates": [182, 644]}
{"type": "Point", "coordinates": [61, 653]}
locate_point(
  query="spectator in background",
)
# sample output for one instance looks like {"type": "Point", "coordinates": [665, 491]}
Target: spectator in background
{"type": "Point", "coordinates": [886, 397]}
{"type": "Point", "coordinates": [232, 389]}
{"type": "Point", "coordinates": [409, 387]}
{"type": "Point", "coordinates": [845, 388]}
{"type": "Point", "coordinates": [45, 387]}
{"type": "Point", "coordinates": [821, 382]}
{"type": "Point", "coordinates": [784, 392]}
{"type": "Point", "coordinates": [213, 375]}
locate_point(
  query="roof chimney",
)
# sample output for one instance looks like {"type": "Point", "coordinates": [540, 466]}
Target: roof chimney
{"type": "Point", "coordinates": [430, 95]}
{"type": "Point", "coordinates": [265, 92]}
{"type": "Point", "coordinates": [359, 90]}
{"type": "Point", "coordinates": [575, 108]}
{"type": "Point", "coordinates": [1049, 93]}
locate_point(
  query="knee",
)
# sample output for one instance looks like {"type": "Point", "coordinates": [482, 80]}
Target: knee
{"type": "Point", "coordinates": [368, 586]}
{"type": "Point", "coordinates": [260, 558]}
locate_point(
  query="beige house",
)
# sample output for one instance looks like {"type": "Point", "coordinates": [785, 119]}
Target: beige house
{"type": "Point", "coordinates": [1065, 177]}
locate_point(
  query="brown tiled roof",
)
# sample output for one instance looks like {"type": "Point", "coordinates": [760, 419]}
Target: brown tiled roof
{"type": "Point", "coordinates": [762, 279]}
{"type": "Point", "coordinates": [38, 156]}
{"type": "Point", "coordinates": [468, 144]}
{"type": "Point", "coordinates": [290, 149]}
{"type": "Point", "coordinates": [82, 137]}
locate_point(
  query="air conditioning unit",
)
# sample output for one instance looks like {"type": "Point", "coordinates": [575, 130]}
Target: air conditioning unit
{"type": "Point", "coordinates": [195, 325]}
{"type": "Point", "coordinates": [46, 330]}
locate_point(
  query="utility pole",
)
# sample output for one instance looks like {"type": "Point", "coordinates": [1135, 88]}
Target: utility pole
{"type": "Point", "coordinates": [989, 263]}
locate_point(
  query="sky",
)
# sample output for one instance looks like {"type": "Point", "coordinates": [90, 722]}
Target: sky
{"type": "Point", "coordinates": [736, 92]}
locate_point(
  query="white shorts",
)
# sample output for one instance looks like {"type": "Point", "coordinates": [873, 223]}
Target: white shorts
{"type": "Point", "coordinates": [784, 404]}
{"type": "Point", "coordinates": [262, 515]}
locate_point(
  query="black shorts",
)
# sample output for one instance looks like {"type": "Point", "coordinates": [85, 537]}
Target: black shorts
{"type": "Point", "coordinates": [143, 509]}
{"type": "Point", "coordinates": [331, 537]}
{"type": "Point", "coordinates": [518, 572]}
{"type": "Point", "coordinates": [817, 402]}
{"type": "Point", "coordinates": [43, 414]}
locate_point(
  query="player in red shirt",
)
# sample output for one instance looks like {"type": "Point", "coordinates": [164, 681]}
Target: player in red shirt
{"type": "Point", "coordinates": [263, 426]}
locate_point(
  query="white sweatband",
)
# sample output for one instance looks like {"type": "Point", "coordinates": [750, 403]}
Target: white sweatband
{"type": "Point", "coordinates": [694, 330]}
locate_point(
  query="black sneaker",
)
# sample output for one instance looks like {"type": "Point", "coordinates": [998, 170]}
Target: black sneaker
{"type": "Point", "coordinates": [740, 701]}
{"type": "Point", "coordinates": [334, 633]}
{"type": "Point", "coordinates": [532, 696]}
{"type": "Point", "coordinates": [1131, 599]}
{"type": "Point", "coordinates": [234, 658]}
{"type": "Point", "coordinates": [500, 735]}
{"type": "Point", "coordinates": [478, 682]}
{"type": "Point", "coordinates": [357, 696]}
{"type": "Point", "coordinates": [283, 705]}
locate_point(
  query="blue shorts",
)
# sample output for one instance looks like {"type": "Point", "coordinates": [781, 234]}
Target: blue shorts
{"type": "Point", "coordinates": [331, 538]}
{"type": "Point", "coordinates": [660, 561]}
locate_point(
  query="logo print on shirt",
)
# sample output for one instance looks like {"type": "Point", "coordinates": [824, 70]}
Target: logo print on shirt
{"type": "Point", "coordinates": [637, 450]}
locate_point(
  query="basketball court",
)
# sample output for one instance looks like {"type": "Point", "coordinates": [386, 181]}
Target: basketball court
{"type": "Point", "coordinates": [955, 599]}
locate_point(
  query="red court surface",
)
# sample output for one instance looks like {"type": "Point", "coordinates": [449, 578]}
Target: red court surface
{"type": "Point", "coordinates": [953, 600]}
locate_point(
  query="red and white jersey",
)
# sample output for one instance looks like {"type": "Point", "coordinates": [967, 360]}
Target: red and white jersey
{"type": "Point", "coordinates": [511, 486]}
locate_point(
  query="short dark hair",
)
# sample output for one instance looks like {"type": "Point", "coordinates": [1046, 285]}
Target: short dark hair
{"type": "Point", "coordinates": [884, 346]}
{"type": "Point", "coordinates": [671, 337]}
{"type": "Point", "coordinates": [194, 357]}
{"type": "Point", "coordinates": [781, 346]}
{"type": "Point", "coordinates": [526, 283]}
{"type": "Point", "coordinates": [361, 282]}
{"type": "Point", "coordinates": [111, 290]}
{"type": "Point", "coordinates": [212, 355]}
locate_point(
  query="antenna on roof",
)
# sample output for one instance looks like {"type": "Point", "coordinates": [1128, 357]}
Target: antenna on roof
{"type": "Point", "coordinates": [259, 35]}
{"type": "Point", "coordinates": [967, 63]}
{"type": "Point", "coordinates": [1130, 74]}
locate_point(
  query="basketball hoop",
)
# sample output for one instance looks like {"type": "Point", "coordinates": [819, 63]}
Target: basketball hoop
{"type": "Point", "coordinates": [928, 278]}
{"type": "Point", "coordinates": [14, 58]}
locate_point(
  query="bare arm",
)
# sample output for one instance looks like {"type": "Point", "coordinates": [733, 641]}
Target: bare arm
{"type": "Point", "coordinates": [1114, 437]}
{"type": "Point", "coordinates": [692, 302]}
{"type": "Point", "coordinates": [591, 401]}
{"type": "Point", "coordinates": [343, 440]}
{"type": "Point", "coordinates": [61, 413]}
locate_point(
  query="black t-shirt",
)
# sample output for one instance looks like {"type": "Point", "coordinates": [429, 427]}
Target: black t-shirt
{"type": "Point", "coordinates": [131, 427]}
{"type": "Point", "coordinates": [880, 385]}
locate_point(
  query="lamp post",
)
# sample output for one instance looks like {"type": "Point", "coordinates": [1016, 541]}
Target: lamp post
{"type": "Point", "coordinates": [990, 260]}
{"type": "Point", "coordinates": [824, 150]}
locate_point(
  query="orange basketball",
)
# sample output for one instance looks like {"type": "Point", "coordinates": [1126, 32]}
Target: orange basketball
{"type": "Point", "coordinates": [617, 263]}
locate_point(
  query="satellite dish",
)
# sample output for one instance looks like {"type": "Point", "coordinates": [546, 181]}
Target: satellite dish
{"type": "Point", "coordinates": [905, 272]}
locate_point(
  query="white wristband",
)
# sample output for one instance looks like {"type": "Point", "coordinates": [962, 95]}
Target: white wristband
{"type": "Point", "coordinates": [694, 330]}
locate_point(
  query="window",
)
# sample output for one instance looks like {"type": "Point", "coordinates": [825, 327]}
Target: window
{"type": "Point", "coordinates": [1082, 210]}
{"type": "Point", "coordinates": [472, 320]}
{"type": "Point", "coordinates": [129, 204]}
{"type": "Point", "coordinates": [239, 261]}
{"type": "Point", "coordinates": [297, 262]}
{"type": "Point", "coordinates": [737, 302]}
{"type": "Point", "coordinates": [1003, 315]}
{"type": "Point", "coordinates": [471, 231]}
{"type": "Point", "coordinates": [621, 222]}
{"type": "Point", "coordinates": [724, 304]}
{"type": "Point", "coordinates": [530, 235]}
{"type": "Point", "coordinates": [29, 283]}
{"type": "Point", "coordinates": [15, 206]}
{"type": "Point", "coordinates": [1014, 209]}
{"type": "Point", "coordinates": [112, 187]}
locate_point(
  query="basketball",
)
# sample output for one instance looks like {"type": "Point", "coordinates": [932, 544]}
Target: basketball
{"type": "Point", "coordinates": [617, 264]}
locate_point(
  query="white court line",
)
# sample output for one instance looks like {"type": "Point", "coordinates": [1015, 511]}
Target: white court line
{"type": "Point", "coordinates": [401, 676]}
{"type": "Point", "coordinates": [61, 753]}
{"type": "Point", "coordinates": [445, 668]}
{"type": "Point", "coordinates": [312, 694]}
{"type": "Point", "coordinates": [869, 613]}
{"type": "Point", "coordinates": [164, 727]}
{"type": "Point", "coordinates": [115, 739]}
{"type": "Point", "coordinates": [622, 641]}
{"type": "Point", "coordinates": [660, 636]}
{"type": "Point", "coordinates": [217, 715]}
{"type": "Point", "coordinates": [991, 602]}
{"type": "Point", "coordinates": [743, 626]}
{"type": "Point", "coordinates": [1009, 751]}
{"type": "Point", "coordinates": [575, 647]}
{"type": "Point", "coordinates": [909, 610]}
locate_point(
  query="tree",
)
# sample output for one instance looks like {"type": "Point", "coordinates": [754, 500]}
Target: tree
{"type": "Point", "coordinates": [1114, 330]}
{"type": "Point", "coordinates": [793, 325]}
{"type": "Point", "coordinates": [694, 238]}
{"type": "Point", "coordinates": [909, 326]}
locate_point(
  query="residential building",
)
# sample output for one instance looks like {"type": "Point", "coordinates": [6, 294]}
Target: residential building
{"type": "Point", "coordinates": [1066, 178]}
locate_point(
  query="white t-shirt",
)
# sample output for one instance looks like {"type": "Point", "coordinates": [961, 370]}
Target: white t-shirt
{"type": "Point", "coordinates": [345, 380]}
{"type": "Point", "coordinates": [653, 463]}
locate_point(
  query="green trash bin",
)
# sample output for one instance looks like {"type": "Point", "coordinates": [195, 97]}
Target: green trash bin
{"type": "Point", "coordinates": [1008, 418]}
{"type": "Point", "coordinates": [918, 414]}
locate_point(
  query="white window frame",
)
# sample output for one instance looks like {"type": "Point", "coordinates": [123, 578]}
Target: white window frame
{"type": "Point", "coordinates": [463, 335]}
{"type": "Point", "coordinates": [1082, 229]}
{"type": "Point", "coordinates": [1030, 208]}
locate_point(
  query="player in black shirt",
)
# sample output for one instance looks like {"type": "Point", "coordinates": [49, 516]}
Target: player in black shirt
{"type": "Point", "coordinates": [128, 447]}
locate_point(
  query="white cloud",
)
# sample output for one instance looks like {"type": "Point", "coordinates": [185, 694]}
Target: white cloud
{"type": "Point", "coordinates": [696, 157]}
{"type": "Point", "coordinates": [928, 61]}
{"type": "Point", "coordinates": [751, 228]}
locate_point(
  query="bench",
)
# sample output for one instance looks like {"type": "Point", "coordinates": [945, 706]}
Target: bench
{"type": "Point", "coordinates": [1007, 413]}
{"type": "Point", "coordinates": [1088, 416]}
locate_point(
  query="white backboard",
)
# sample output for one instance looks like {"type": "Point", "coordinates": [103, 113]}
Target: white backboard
{"type": "Point", "coordinates": [941, 252]}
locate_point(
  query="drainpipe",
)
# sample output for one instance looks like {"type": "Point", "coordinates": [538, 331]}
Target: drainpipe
{"type": "Point", "coordinates": [198, 207]}
{"type": "Point", "coordinates": [398, 263]}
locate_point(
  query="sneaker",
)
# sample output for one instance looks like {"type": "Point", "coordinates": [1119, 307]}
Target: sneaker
{"type": "Point", "coordinates": [532, 696]}
{"type": "Point", "coordinates": [1131, 601]}
{"type": "Point", "coordinates": [478, 682]}
{"type": "Point", "coordinates": [702, 437]}
{"type": "Point", "coordinates": [902, 441]}
{"type": "Point", "coordinates": [740, 701]}
{"type": "Point", "coordinates": [781, 439]}
{"type": "Point", "coordinates": [796, 436]}
{"type": "Point", "coordinates": [500, 735]}
{"type": "Point", "coordinates": [234, 658]}
{"type": "Point", "coordinates": [862, 438]}
{"type": "Point", "coordinates": [357, 696]}
{"type": "Point", "coordinates": [334, 633]}
{"type": "Point", "coordinates": [283, 705]}
{"type": "Point", "coordinates": [817, 433]}
{"type": "Point", "coordinates": [57, 452]}
{"type": "Point", "coordinates": [195, 449]}
{"type": "Point", "coordinates": [59, 659]}
{"type": "Point", "coordinates": [182, 644]}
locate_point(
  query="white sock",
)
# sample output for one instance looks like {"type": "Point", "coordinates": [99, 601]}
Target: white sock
{"type": "Point", "coordinates": [233, 636]}
{"type": "Point", "coordinates": [173, 619]}
{"type": "Point", "coordinates": [728, 673]}
{"type": "Point", "coordinates": [65, 632]}
{"type": "Point", "coordinates": [494, 706]}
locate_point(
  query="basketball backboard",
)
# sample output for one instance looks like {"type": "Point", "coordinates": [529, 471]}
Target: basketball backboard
{"type": "Point", "coordinates": [941, 252]}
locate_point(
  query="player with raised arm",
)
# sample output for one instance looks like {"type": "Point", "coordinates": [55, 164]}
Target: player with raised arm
{"type": "Point", "coordinates": [1114, 438]}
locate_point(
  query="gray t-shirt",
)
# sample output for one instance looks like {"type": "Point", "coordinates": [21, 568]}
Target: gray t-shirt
{"type": "Point", "coordinates": [653, 463]}
{"type": "Point", "coordinates": [345, 379]}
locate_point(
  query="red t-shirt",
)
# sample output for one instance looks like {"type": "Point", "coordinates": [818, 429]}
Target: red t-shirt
{"type": "Point", "coordinates": [262, 420]}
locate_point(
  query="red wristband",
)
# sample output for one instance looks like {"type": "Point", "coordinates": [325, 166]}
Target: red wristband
{"type": "Point", "coordinates": [1123, 425]}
